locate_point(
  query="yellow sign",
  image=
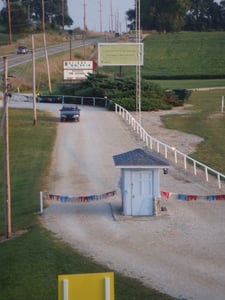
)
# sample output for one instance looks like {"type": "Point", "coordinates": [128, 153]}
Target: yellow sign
{"type": "Point", "coordinates": [94, 286]}
{"type": "Point", "coordinates": [120, 54]}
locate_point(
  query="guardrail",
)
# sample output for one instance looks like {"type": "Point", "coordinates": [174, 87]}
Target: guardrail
{"type": "Point", "coordinates": [167, 151]}
{"type": "Point", "coordinates": [63, 99]}
{"type": "Point", "coordinates": [82, 100]}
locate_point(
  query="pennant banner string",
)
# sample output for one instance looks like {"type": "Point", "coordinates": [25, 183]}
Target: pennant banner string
{"type": "Point", "coordinates": [187, 197]}
{"type": "Point", "coordinates": [89, 198]}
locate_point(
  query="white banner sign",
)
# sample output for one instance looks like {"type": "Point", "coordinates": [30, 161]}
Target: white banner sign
{"type": "Point", "coordinates": [78, 64]}
{"type": "Point", "coordinates": [76, 74]}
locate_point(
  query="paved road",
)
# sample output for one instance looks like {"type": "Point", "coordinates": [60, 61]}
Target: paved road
{"type": "Point", "coordinates": [15, 59]}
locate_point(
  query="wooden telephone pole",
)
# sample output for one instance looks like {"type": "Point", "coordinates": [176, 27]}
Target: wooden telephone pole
{"type": "Point", "coordinates": [85, 30]}
{"type": "Point", "coordinates": [45, 47]}
{"type": "Point", "coordinates": [138, 66]}
{"type": "Point", "coordinates": [111, 15]}
{"type": "Point", "coordinates": [9, 22]}
{"type": "Point", "coordinates": [100, 14]}
{"type": "Point", "coordinates": [6, 155]}
{"type": "Point", "coordinates": [63, 14]}
{"type": "Point", "coordinates": [34, 83]}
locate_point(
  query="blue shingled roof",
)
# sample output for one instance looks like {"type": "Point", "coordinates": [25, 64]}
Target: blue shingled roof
{"type": "Point", "coordinates": [140, 157]}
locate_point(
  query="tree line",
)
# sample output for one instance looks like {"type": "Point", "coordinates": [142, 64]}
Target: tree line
{"type": "Point", "coordinates": [176, 15]}
{"type": "Point", "coordinates": [159, 15]}
{"type": "Point", "coordinates": [27, 15]}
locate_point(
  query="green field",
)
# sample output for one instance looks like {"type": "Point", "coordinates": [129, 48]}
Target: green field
{"type": "Point", "coordinates": [185, 54]}
{"type": "Point", "coordinates": [207, 121]}
{"type": "Point", "coordinates": [182, 60]}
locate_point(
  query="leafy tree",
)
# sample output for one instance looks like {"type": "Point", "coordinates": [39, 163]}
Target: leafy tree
{"type": "Point", "coordinates": [174, 15]}
{"type": "Point", "coordinates": [222, 12]}
{"type": "Point", "coordinates": [170, 14]}
{"type": "Point", "coordinates": [131, 18]}
{"type": "Point", "coordinates": [25, 13]}
{"type": "Point", "coordinates": [204, 15]}
{"type": "Point", "coordinates": [162, 15]}
{"type": "Point", "coordinates": [19, 20]}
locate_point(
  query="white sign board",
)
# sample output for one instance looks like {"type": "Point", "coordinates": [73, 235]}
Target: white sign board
{"type": "Point", "coordinates": [78, 64]}
{"type": "Point", "coordinates": [120, 54]}
{"type": "Point", "coordinates": [76, 74]}
{"type": "Point", "coordinates": [78, 69]}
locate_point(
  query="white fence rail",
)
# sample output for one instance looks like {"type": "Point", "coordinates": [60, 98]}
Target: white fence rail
{"type": "Point", "coordinates": [169, 152]}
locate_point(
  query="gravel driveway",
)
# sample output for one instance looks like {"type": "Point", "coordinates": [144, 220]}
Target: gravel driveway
{"type": "Point", "coordinates": [180, 253]}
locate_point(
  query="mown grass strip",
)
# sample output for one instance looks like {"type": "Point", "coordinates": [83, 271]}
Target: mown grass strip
{"type": "Point", "coordinates": [29, 152]}
{"type": "Point", "coordinates": [184, 53]}
{"type": "Point", "coordinates": [207, 121]}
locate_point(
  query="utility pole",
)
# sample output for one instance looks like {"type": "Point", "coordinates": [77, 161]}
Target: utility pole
{"type": "Point", "coordinates": [45, 46]}
{"type": "Point", "coordinates": [9, 22]}
{"type": "Point", "coordinates": [138, 66]}
{"type": "Point", "coordinates": [70, 35]}
{"type": "Point", "coordinates": [6, 155]}
{"type": "Point", "coordinates": [34, 83]}
{"type": "Point", "coordinates": [85, 25]}
{"type": "Point", "coordinates": [85, 28]}
{"type": "Point", "coordinates": [43, 15]}
{"type": "Point", "coordinates": [100, 14]}
{"type": "Point", "coordinates": [117, 18]}
{"type": "Point", "coordinates": [63, 14]}
{"type": "Point", "coordinates": [111, 16]}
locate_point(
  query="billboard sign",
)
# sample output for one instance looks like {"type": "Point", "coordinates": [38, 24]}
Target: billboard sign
{"type": "Point", "coordinates": [78, 69]}
{"type": "Point", "coordinates": [76, 74]}
{"type": "Point", "coordinates": [120, 54]}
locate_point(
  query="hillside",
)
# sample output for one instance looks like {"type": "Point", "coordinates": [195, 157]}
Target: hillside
{"type": "Point", "coordinates": [182, 55]}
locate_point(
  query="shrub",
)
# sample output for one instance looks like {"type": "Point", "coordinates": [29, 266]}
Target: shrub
{"type": "Point", "coordinates": [122, 90]}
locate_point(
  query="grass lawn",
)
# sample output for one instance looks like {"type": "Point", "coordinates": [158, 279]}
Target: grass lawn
{"type": "Point", "coordinates": [184, 53]}
{"type": "Point", "coordinates": [198, 54]}
{"type": "Point", "coordinates": [207, 121]}
{"type": "Point", "coordinates": [191, 84]}
{"type": "Point", "coordinates": [31, 262]}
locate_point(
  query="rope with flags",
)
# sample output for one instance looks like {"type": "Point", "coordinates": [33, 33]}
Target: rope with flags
{"type": "Point", "coordinates": [73, 199]}
{"type": "Point", "coordinates": [190, 197]}
{"type": "Point", "coordinates": [89, 198]}
{"type": "Point", "coordinates": [66, 198]}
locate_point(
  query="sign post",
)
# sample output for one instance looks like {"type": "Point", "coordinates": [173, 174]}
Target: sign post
{"type": "Point", "coordinates": [95, 286]}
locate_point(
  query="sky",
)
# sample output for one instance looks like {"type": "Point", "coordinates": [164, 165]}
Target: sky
{"type": "Point", "coordinates": [112, 12]}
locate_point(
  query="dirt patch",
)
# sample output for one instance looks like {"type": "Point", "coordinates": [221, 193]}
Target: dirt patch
{"type": "Point", "coordinates": [14, 235]}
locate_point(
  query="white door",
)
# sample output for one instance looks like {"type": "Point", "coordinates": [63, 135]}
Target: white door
{"type": "Point", "coordinates": [142, 193]}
